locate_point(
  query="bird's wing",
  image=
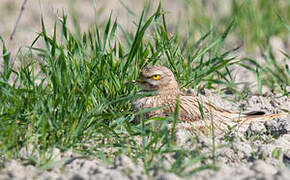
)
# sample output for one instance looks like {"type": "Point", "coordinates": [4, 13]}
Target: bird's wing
{"type": "Point", "coordinates": [203, 114]}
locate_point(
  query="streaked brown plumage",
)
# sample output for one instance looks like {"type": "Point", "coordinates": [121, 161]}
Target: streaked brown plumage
{"type": "Point", "coordinates": [162, 81]}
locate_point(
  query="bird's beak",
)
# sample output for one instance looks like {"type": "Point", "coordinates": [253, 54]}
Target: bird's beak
{"type": "Point", "coordinates": [139, 81]}
{"type": "Point", "coordinates": [127, 82]}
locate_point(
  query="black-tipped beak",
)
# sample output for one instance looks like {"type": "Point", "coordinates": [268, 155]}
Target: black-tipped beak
{"type": "Point", "coordinates": [139, 81]}
{"type": "Point", "coordinates": [127, 82]}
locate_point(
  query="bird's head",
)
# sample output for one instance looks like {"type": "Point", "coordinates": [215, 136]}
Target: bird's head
{"type": "Point", "coordinates": [155, 78]}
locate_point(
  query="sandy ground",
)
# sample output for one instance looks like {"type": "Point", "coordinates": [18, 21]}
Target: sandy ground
{"type": "Point", "coordinates": [30, 22]}
{"type": "Point", "coordinates": [241, 158]}
{"type": "Point", "coordinates": [249, 153]}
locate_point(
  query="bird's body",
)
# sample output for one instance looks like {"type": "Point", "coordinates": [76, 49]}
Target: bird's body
{"type": "Point", "coordinates": [191, 109]}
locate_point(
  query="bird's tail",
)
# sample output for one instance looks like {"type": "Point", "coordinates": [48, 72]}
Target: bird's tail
{"type": "Point", "coordinates": [265, 117]}
{"type": "Point", "coordinates": [244, 118]}
{"type": "Point", "coordinates": [223, 120]}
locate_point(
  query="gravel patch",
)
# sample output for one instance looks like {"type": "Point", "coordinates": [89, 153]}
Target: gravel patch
{"type": "Point", "coordinates": [261, 151]}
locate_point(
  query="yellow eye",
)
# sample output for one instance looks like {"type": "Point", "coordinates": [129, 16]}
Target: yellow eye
{"type": "Point", "coordinates": [156, 76]}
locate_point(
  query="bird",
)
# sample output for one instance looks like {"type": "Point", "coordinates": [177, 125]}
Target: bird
{"type": "Point", "coordinates": [200, 113]}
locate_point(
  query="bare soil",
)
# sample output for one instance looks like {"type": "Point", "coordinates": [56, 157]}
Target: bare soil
{"type": "Point", "coordinates": [260, 151]}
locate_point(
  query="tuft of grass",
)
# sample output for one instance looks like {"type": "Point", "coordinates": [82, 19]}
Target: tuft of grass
{"type": "Point", "coordinates": [276, 76]}
{"type": "Point", "coordinates": [256, 20]}
{"type": "Point", "coordinates": [273, 74]}
{"type": "Point", "coordinates": [72, 92]}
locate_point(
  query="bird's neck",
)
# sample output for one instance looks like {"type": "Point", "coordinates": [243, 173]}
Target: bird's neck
{"type": "Point", "coordinates": [169, 91]}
